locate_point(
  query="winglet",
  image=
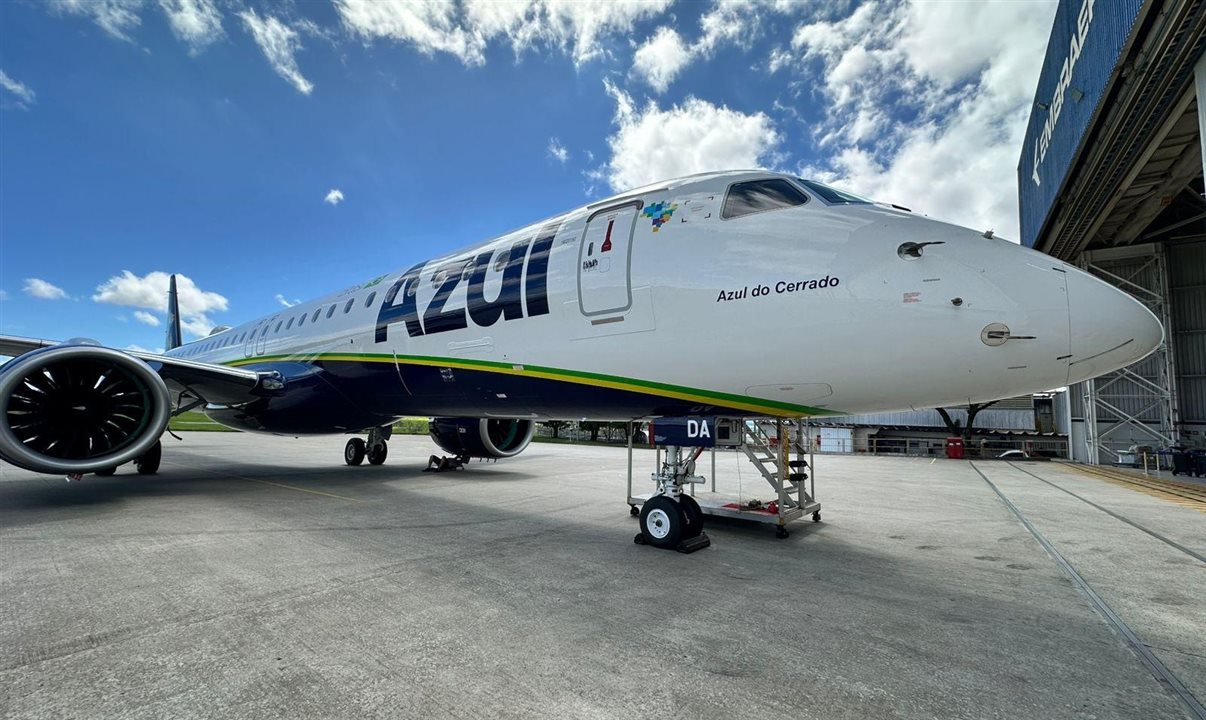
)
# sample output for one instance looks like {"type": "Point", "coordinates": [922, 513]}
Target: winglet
{"type": "Point", "coordinates": [173, 324]}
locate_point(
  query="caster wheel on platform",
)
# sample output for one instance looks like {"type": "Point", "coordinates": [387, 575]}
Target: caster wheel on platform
{"type": "Point", "coordinates": [662, 522]}
{"type": "Point", "coordinates": [353, 452]}
{"type": "Point", "coordinates": [378, 452]}
{"type": "Point", "coordinates": [148, 464]}
{"type": "Point", "coordinates": [692, 516]}
{"type": "Point", "coordinates": [634, 511]}
{"type": "Point", "coordinates": [816, 516]}
{"type": "Point", "coordinates": [781, 532]}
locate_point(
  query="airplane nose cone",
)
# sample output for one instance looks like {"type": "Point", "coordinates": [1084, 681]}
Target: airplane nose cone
{"type": "Point", "coordinates": [1110, 329]}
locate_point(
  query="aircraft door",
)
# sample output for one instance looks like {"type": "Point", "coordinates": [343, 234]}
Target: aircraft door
{"type": "Point", "coordinates": [249, 343]}
{"type": "Point", "coordinates": [604, 260]}
{"type": "Point", "coordinates": [261, 340]}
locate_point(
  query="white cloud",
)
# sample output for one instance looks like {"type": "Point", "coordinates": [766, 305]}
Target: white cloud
{"type": "Point", "coordinates": [465, 30]}
{"type": "Point", "coordinates": [25, 96]}
{"type": "Point", "coordinates": [197, 325]}
{"type": "Point", "coordinates": [727, 22]}
{"type": "Point", "coordinates": [334, 196]}
{"type": "Point", "coordinates": [38, 288]}
{"type": "Point", "coordinates": [739, 22]}
{"type": "Point", "coordinates": [150, 291]}
{"type": "Point", "coordinates": [197, 23]}
{"type": "Point", "coordinates": [116, 17]}
{"type": "Point", "coordinates": [286, 301]}
{"type": "Point", "coordinates": [146, 318]}
{"type": "Point", "coordinates": [661, 59]}
{"type": "Point", "coordinates": [280, 44]}
{"type": "Point", "coordinates": [928, 103]}
{"type": "Point", "coordinates": [557, 151]}
{"type": "Point", "coordinates": [139, 348]}
{"type": "Point", "coordinates": [654, 144]}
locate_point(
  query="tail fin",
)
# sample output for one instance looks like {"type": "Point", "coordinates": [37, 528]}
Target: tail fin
{"type": "Point", "coordinates": [173, 324]}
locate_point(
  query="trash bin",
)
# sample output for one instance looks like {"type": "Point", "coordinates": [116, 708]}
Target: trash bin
{"type": "Point", "coordinates": [1198, 458]}
{"type": "Point", "coordinates": [954, 448]}
{"type": "Point", "coordinates": [1182, 462]}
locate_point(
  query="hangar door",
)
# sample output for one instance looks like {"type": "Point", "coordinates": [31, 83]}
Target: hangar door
{"type": "Point", "coordinates": [605, 260]}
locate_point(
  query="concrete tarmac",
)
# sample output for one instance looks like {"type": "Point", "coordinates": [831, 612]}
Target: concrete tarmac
{"type": "Point", "coordinates": [260, 577]}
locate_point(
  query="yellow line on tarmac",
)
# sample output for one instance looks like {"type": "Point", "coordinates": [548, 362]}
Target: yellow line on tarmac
{"type": "Point", "coordinates": [305, 490]}
{"type": "Point", "coordinates": [1182, 494]}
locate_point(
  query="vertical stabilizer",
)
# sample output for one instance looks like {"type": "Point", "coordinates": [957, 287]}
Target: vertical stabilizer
{"type": "Point", "coordinates": [173, 324]}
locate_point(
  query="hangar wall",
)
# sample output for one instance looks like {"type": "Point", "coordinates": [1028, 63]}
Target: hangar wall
{"type": "Point", "coordinates": [1187, 270]}
{"type": "Point", "coordinates": [1111, 178]}
{"type": "Point", "coordinates": [1087, 38]}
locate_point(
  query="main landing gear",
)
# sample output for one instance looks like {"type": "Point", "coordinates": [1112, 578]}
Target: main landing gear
{"type": "Point", "coordinates": [147, 464]}
{"type": "Point", "coordinates": [376, 449]}
{"type": "Point", "coordinates": [672, 519]}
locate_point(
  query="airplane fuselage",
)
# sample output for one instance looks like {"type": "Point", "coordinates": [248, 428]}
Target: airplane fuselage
{"type": "Point", "coordinates": [663, 301]}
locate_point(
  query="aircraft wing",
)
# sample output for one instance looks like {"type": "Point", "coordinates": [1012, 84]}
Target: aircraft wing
{"type": "Point", "coordinates": [211, 383]}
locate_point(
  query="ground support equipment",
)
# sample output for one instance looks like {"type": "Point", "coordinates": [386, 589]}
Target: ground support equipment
{"type": "Point", "coordinates": [791, 479]}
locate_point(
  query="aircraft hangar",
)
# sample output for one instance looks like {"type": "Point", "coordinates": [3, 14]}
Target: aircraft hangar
{"type": "Point", "coordinates": [1111, 179]}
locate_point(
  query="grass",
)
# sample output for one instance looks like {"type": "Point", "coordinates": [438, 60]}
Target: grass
{"type": "Point", "coordinates": [194, 421]}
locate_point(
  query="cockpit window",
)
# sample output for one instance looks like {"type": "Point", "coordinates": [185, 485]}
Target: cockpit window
{"type": "Point", "coordinates": [831, 195]}
{"type": "Point", "coordinates": [746, 198]}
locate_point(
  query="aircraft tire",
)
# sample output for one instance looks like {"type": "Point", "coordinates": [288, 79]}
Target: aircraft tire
{"type": "Point", "coordinates": [377, 452]}
{"type": "Point", "coordinates": [692, 516]}
{"type": "Point", "coordinates": [662, 522]}
{"type": "Point", "coordinates": [353, 452]}
{"type": "Point", "coordinates": [148, 464]}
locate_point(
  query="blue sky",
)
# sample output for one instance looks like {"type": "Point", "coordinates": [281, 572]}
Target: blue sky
{"type": "Point", "coordinates": [277, 151]}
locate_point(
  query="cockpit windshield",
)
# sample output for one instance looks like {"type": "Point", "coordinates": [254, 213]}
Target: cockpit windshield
{"type": "Point", "coordinates": [746, 198]}
{"type": "Point", "coordinates": [829, 194]}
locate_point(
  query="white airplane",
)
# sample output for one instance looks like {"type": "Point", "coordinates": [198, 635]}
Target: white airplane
{"type": "Point", "coordinates": [734, 294]}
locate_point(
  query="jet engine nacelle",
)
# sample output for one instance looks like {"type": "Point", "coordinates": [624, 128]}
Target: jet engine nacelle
{"type": "Point", "coordinates": [79, 408]}
{"type": "Point", "coordinates": [481, 437]}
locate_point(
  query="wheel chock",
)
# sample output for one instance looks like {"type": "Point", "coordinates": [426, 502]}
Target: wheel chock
{"type": "Point", "coordinates": [689, 545]}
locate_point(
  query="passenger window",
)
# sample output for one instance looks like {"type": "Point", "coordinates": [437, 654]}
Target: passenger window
{"type": "Point", "coordinates": [290, 325]}
{"type": "Point", "coordinates": [265, 330]}
{"type": "Point", "coordinates": [314, 317]}
{"type": "Point", "coordinates": [368, 301]}
{"type": "Point", "coordinates": [759, 196]}
{"type": "Point", "coordinates": [348, 307]}
{"type": "Point", "coordinates": [301, 320]}
{"type": "Point", "coordinates": [278, 326]}
{"type": "Point", "coordinates": [331, 311]}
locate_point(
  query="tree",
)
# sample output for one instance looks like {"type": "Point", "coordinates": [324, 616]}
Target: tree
{"type": "Point", "coordinates": [555, 426]}
{"type": "Point", "coordinates": [964, 431]}
{"type": "Point", "coordinates": [593, 428]}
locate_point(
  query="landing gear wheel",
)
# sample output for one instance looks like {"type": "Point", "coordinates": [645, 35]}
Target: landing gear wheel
{"type": "Point", "coordinates": [148, 464]}
{"type": "Point", "coordinates": [816, 516]}
{"type": "Point", "coordinates": [353, 452]}
{"type": "Point", "coordinates": [692, 516]}
{"type": "Point", "coordinates": [781, 532]}
{"type": "Point", "coordinates": [662, 522]}
{"type": "Point", "coordinates": [634, 511]}
{"type": "Point", "coordinates": [105, 472]}
{"type": "Point", "coordinates": [377, 452]}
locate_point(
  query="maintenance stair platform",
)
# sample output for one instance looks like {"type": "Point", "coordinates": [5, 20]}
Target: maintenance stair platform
{"type": "Point", "coordinates": [781, 453]}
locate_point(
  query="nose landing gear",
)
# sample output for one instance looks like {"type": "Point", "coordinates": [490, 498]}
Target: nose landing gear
{"type": "Point", "coordinates": [671, 519]}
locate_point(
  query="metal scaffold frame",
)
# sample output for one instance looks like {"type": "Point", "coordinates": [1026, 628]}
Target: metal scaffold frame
{"type": "Point", "coordinates": [1124, 405]}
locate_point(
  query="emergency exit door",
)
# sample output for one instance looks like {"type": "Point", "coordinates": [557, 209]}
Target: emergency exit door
{"type": "Point", "coordinates": [605, 260]}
